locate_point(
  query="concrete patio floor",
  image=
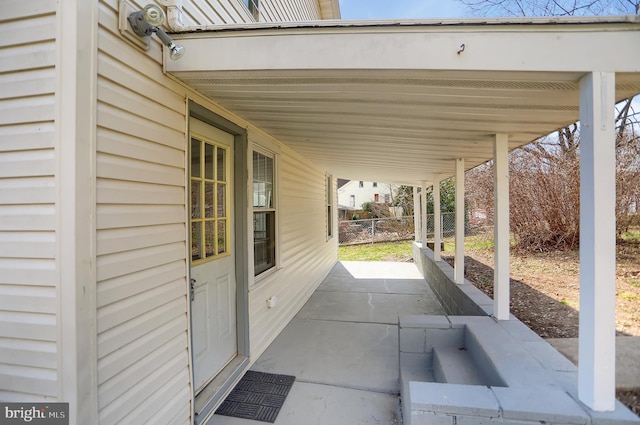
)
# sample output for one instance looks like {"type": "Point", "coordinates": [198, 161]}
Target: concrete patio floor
{"type": "Point", "coordinates": [342, 346]}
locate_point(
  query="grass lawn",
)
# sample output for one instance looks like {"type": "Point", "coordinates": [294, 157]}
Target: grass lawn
{"type": "Point", "coordinates": [389, 251]}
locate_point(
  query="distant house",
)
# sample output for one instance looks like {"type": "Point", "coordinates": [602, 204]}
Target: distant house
{"type": "Point", "coordinates": [353, 194]}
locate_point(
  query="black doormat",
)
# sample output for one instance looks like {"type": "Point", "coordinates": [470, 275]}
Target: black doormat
{"type": "Point", "coordinates": [258, 396]}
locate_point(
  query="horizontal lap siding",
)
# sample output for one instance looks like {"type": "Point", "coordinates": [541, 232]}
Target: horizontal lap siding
{"type": "Point", "coordinates": [143, 363]}
{"type": "Point", "coordinates": [306, 255]}
{"type": "Point", "coordinates": [205, 12]}
{"type": "Point", "coordinates": [28, 272]}
{"type": "Point", "coordinates": [141, 265]}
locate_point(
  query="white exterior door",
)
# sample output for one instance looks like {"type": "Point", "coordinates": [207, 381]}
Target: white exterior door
{"type": "Point", "coordinates": [212, 271]}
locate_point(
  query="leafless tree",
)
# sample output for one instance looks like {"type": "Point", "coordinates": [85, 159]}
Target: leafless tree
{"type": "Point", "coordinates": [513, 8]}
{"type": "Point", "coordinates": [544, 175]}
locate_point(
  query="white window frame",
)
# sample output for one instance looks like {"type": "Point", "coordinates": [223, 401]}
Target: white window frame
{"type": "Point", "coordinates": [330, 210]}
{"type": "Point", "coordinates": [274, 208]}
{"type": "Point", "coordinates": [253, 7]}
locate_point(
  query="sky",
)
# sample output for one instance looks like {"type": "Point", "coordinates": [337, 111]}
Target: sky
{"type": "Point", "coordinates": [400, 9]}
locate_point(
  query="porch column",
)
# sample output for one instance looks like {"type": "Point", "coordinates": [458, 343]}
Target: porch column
{"type": "Point", "coordinates": [437, 227]}
{"type": "Point", "coordinates": [459, 202]}
{"type": "Point", "coordinates": [423, 194]}
{"type": "Point", "coordinates": [416, 215]}
{"type": "Point", "coordinates": [501, 227]}
{"type": "Point", "coordinates": [596, 371]}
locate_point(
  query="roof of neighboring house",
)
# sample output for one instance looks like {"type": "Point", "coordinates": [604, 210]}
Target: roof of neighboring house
{"type": "Point", "coordinates": [342, 182]}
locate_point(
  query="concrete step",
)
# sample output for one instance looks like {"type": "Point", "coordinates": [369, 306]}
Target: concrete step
{"type": "Point", "coordinates": [454, 365]}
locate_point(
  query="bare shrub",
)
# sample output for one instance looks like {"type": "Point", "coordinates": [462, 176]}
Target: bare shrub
{"type": "Point", "coordinates": [545, 198]}
{"type": "Point", "coordinates": [627, 182]}
{"type": "Point", "coordinates": [544, 190]}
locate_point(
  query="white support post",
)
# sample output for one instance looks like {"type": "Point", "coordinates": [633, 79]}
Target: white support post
{"type": "Point", "coordinates": [501, 227]}
{"type": "Point", "coordinates": [459, 202]}
{"type": "Point", "coordinates": [596, 371]}
{"type": "Point", "coordinates": [423, 234]}
{"type": "Point", "coordinates": [416, 214]}
{"type": "Point", "coordinates": [437, 227]}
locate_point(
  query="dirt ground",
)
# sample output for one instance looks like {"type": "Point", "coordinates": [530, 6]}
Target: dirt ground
{"type": "Point", "coordinates": [545, 293]}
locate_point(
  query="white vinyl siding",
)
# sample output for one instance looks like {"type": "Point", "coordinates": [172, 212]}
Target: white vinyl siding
{"type": "Point", "coordinates": [28, 272]}
{"type": "Point", "coordinates": [143, 359]}
{"type": "Point", "coordinates": [203, 12]}
{"type": "Point", "coordinates": [305, 255]}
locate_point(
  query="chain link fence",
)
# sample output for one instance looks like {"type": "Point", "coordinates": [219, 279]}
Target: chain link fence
{"type": "Point", "coordinates": [354, 232]}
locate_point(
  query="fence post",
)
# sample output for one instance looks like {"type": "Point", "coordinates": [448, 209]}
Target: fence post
{"type": "Point", "coordinates": [373, 231]}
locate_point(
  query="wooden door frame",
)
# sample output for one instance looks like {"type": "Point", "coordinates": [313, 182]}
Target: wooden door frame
{"type": "Point", "coordinates": [232, 372]}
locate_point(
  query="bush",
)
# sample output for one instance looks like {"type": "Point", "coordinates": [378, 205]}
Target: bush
{"type": "Point", "coordinates": [544, 191]}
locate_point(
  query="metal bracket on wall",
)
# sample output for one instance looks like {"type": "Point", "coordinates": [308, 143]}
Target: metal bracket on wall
{"type": "Point", "coordinates": [125, 9]}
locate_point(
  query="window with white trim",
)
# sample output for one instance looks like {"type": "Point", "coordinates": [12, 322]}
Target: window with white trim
{"type": "Point", "coordinates": [254, 8]}
{"type": "Point", "coordinates": [329, 189]}
{"type": "Point", "coordinates": [264, 212]}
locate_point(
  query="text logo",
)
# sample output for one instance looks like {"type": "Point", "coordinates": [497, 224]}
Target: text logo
{"type": "Point", "coordinates": [34, 413]}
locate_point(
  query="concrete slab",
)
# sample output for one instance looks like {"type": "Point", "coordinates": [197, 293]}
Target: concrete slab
{"type": "Point", "coordinates": [627, 358]}
{"type": "Point", "coordinates": [328, 405]}
{"type": "Point", "coordinates": [353, 355]}
{"type": "Point", "coordinates": [422, 322]}
{"type": "Point", "coordinates": [379, 277]}
{"type": "Point", "coordinates": [378, 269]}
{"type": "Point", "coordinates": [367, 307]}
{"type": "Point", "coordinates": [452, 399]}
{"type": "Point", "coordinates": [532, 404]}
{"type": "Point", "coordinates": [383, 286]}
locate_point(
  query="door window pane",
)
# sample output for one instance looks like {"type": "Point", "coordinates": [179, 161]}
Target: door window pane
{"type": "Point", "coordinates": [222, 200]}
{"type": "Point", "coordinates": [195, 199]}
{"type": "Point", "coordinates": [208, 200]}
{"type": "Point", "coordinates": [196, 241]}
{"type": "Point", "coordinates": [208, 160]}
{"type": "Point", "coordinates": [222, 164]}
{"type": "Point", "coordinates": [222, 236]}
{"type": "Point", "coordinates": [195, 157]}
{"type": "Point", "coordinates": [210, 238]}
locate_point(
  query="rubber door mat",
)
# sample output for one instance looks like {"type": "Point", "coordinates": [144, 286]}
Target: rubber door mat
{"type": "Point", "coordinates": [258, 396]}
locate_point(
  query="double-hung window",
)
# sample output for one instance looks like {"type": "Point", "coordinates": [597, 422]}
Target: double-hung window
{"type": "Point", "coordinates": [264, 212]}
{"type": "Point", "coordinates": [329, 190]}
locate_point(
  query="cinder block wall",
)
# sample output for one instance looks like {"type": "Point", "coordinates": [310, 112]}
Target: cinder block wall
{"type": "Point", "coordinates": [457, 299]}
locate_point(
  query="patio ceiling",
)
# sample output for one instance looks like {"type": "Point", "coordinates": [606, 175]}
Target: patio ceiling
{"type": "Point", "coordinates": [395, 101]}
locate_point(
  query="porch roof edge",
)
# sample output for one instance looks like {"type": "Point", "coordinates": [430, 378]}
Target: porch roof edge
{"type": "Point", "coordinates": [455, 22]}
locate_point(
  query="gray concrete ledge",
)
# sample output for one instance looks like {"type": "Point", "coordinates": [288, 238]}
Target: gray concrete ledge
{"type": "Point", "coordinates": [517, 378]}
{"type": "Point", "coordinates": [456, 299]}
{"type": "Point", "coordinates": [529, 380]}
